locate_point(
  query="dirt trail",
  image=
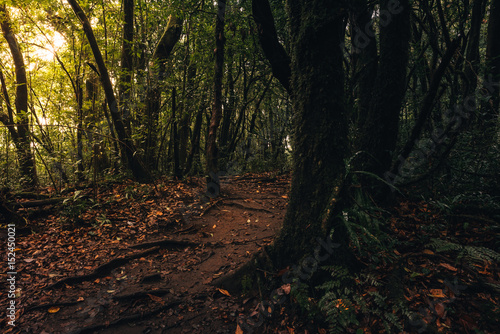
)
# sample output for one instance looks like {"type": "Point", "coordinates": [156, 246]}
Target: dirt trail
{"type": "Point", "coordinates": [164, 289]}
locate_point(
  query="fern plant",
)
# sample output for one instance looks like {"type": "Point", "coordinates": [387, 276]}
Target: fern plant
{"type": "Point", "coordinates": [343, 303]}
{"type": "Point", "coordinates": [476, 254]}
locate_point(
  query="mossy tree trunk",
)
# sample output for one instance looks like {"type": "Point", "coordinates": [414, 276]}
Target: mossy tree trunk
{"type": "Point", "coordinates": [319, 125]}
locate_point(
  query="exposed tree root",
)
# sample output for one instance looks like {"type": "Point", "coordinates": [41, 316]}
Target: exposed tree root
{"type": "Point", "coordinates": [36, 203]}
{"type": "Point", "coordinates": [141, 294]}
{"type": "Point", "coordinates": [131, 318]}
{"type": "Point", "coordinates": [232, 281]}
{"type": "Point", "coordinates": [165, 243]}
{"type": "Point", "coordinates": [244, 207]}
{"type": "Point", "coordinates": [49, 305]}
{"type": "Point", "coordinates": [101, 270]}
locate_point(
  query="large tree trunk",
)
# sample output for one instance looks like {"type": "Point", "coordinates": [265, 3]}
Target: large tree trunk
{"type": "Point", "coordinates": [22, 139]}
{"type": "Point", "coordinates": [126, 145]}
{"type": "Point", "coordinates": [213, 186]}
{"type": "Point", "coordinates": [380, 131]}
{"type": "Point", "coordinates": [364, 46]}
{"type": "Point", "coordinates": [319, 125]}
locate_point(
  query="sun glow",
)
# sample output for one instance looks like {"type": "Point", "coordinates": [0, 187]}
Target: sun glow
{"type": "Point", "coordinates": [46, 50]}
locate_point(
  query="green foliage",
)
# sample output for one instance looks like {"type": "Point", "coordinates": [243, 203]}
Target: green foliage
{"type": "Point", "coordinates": [364, 223]}
{"type": "Point", "coordinates": [472, 253]}
{"type": "Point", "coordinates": [348, 299]}
{"type": "Point", "coordinates": [74, 206]}
{"type": "Point", "coordinates": [101, 220]}
{"type": "Point", "coordinates": [300, 292]}
{"type": "Point", "coordinates": [246, 284]}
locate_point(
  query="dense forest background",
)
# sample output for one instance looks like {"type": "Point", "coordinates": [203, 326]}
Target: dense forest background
{"type": "Point", "coordinates": [160, 59]}
{"type": "Point", "coordinates": [370, 105]}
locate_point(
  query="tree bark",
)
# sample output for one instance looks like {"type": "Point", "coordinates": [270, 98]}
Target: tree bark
{"type": "Point", "coordinates": [319, 127]}
{"type": "Point", "coordinates": [162, 52]}
{"type": "Point", "coordinates": [213, 186]}
{"type": "Point", "coordinates": [195, 139]}
{"type": "Point", "coordinates": [23, 143]}
{"type": "Point", "coordinates": [493, 61]}
{"type": "Point", "coordinates": [365, 52]}
{"type": "Point", "coordinates": [126, 145]}
{"type": "Point", "coordinates": [127, 61]}
{"type": "Point", "coordinates": [380, 131]}
{"type": "Point", "coordinates": [425, 109]}
{"type": "Point", "coordinates": [268, 38]}
{"type": "Point", "coordinates": [228, 114]}
{"type": "Point", "coordinates": [175, 137]}
{"type": "Point", "coordinates": [472, 50]}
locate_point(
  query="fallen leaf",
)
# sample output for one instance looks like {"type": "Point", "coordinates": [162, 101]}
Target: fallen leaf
{"type": "Point", "coordinates": [447, 266]}
{"type": "Point", "coordinates": [428, 251]}
{"type": "Point", "coordinates": [224, 292]}
{"type": "Point", "coordinates": [54, 309]}
{"type": "Point", "coordinates": [440, 310]}
{"type": "Point", "coordinates": [437, 293]}
{"type": "Point", "coordinates": [238, 330]}
{"type": "Point", "coordinates": [156, 299]}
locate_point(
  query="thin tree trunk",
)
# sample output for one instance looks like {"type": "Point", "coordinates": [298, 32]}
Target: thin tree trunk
{"type": "Point", "coordinates": [228, 110]}
{"type": "Point", "coordinates": [162, 52]}
{"type": "Point", "coordinates": [126, 145]}
{"type": "Point", "coordinates": [493, 62]}
{"type": "Point", "coordinates": [127, 62]}
{"type": "Point", "coordinates": [195, 139]}
{"type": "Point", "coordinates": [79, 131]}
{"type": "Point", "coordinates": [472, 50]}
{"type": "Point", "coordinates": [175, 138]}
{"type": "Point", "coordinates": [426, 108]}
{"type": "Point", "coordinates": [213, 186]}
{"type": "Point", "coordinates": [268, 38]}
{"type": "Point", "coordinates": [23, 145]}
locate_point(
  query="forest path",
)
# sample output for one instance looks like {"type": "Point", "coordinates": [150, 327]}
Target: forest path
{"type": "Point", "coordinates": [119, 282]}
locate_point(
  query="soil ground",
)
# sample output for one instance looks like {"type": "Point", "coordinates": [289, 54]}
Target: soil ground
{"type": "Point", "coordinates": [165, 290]}
{"type": "Point", "coordinates": [128, 258]}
